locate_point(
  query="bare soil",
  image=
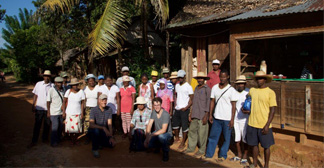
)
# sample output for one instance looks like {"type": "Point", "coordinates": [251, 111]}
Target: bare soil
{"type": "Point", "coordinates": [16, 128]}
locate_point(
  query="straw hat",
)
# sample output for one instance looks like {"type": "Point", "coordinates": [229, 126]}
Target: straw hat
{"type": "Point", "coordinates": [165, 70]}
{"type": "Point", "coordinates": [64, 74]}
{"type": "Point", "coordinates": [47, 73]}
{"type": "Point", "coordinates": [202, 75]}
{"type": "Point", "coordinates": [174, 75]}
{"type": "Point", "coordinates": [126, 78]}
{"type": "Point", "coordinates": [58, 79]}
{"type": "Point", "coordinates": [241, 79]}
{"type": "Point", "coordinates": [74, 81]}
{"type": "Point", "coordinates": [140, 100]}
{"type": "Point", "coordinates": [154, 73]}
{"type": "Point", "coordinates": [261, 74]}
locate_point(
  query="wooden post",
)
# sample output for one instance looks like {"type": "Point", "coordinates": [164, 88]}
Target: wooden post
{"type": "Point", "coordinates": [232, 58]}
{"type": "Point", "coordinates": [201, 55]}
{"type": "Point", "coordinates": [186, 57]}
{"type": "Point", "coordinates": [282, 104]}
{"type": "Point", "coordinates": [308, 112]}
{"type": "Point", "coordinates": [167, 49]}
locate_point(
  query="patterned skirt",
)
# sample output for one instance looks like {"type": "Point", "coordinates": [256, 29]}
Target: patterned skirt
{"type": "Point", "coordinates": [73, 124]}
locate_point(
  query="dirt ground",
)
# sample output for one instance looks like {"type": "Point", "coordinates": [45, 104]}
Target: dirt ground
{"type": "Point", "coordinates": [16, 128]}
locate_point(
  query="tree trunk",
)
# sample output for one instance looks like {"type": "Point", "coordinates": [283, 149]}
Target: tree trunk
{"type": "Point", "coordinates": [144, 29]}
{"type": "Point", "coordinates": [61, 54]}
{"type": "Point", "coordinates": [167, 39]}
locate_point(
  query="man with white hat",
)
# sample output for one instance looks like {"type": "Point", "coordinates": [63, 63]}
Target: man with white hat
{"type": "Point", "coordinates": [240, 120]}
{"type": "Point", "coordinates": [65, 77]}
{"type": "Point", "coordinates": [39, 107]}
{"type": "Point", "coordinates": [101, 126]}
{"type": "Point", "coordinates": [214, 74]}
{"type": "Point", "coordinates": [166, 76]}
{"type": "Point", "coordinates": [198, 130]}
{"type": "Point", "coordinates": [125, 72]}
{"type": "Point", "coordinates": [54, 110]}
{"type": "Point", "coordinates": [184, 96]}
{"type": "Point", "coordinates": [262, 112]}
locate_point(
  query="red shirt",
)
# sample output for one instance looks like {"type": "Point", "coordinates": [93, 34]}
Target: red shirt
{"type": "Point", "coordinates": [214, 78]}
{"type": "Point", "coordinates": [126, 100]}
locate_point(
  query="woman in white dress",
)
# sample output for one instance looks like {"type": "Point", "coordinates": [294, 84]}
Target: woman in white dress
{"type": "Point", "coordinates": [73, 110]}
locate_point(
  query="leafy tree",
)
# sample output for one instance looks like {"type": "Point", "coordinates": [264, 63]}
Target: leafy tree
{"type": "Point", "coordinates": [2, 13]}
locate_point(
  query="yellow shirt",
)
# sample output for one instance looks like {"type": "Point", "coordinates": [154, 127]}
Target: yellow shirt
{"type": "Point", "coordinates": [194, 83]}
{"type": "Point", "coordinates": [262, 100]}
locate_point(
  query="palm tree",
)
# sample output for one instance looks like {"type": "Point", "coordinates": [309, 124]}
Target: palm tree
{"type": "Point", "coordinates": [110, 30]}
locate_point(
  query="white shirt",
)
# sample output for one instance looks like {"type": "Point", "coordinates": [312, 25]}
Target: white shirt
{"type": "Point", "coordinates": [183, 92]}
{"type": "Point", "coordinates": [41, 89]}
{"type": "Point", "coordinates": [223, 109]}
{"type": "Point", "coordinates": [91, 96]}
{"type": "Point", "coordinates": [74, 102]}
{"type": "Point", "coordinates": [155, 86]}
{"type": "Point", "coordinates": [111, 93]}
{"type": "Point", "coordinates": [239, 115]}
{"type": "Point", "coordinates": [56, 101]}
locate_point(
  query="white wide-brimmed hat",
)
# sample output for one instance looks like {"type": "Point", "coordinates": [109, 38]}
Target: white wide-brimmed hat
{"type": "Point", "coordinates": [126, 78]}
{"type": "Point", "coordinates": [47, 73]}
{"type": "Point", "coordinates": [74, 81]}
{"type": "Point", "coordinates": [241, 79]}
{"type": "Point", "coordinates": [140, 100]}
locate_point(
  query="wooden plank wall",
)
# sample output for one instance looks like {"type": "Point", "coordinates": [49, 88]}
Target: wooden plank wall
{"type": "Point", "coordinates": [218, 48]}
{"type": "Point", "coordinates": [187, 56]}
{"type": "Point", "coordinates": [201, 55]}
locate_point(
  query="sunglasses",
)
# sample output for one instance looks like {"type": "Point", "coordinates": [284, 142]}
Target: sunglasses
{"type": "Point", "coordinates": [141, 118]}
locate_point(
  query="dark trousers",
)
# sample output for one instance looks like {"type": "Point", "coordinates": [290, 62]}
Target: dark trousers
{"type": "Point", "coordinates": [57, 126]}
{"type": "Point", "coordinates": [99, 138]}
{"type": "Point", "coordinates": [162, 140]}
{"type": "Point", "coordinates": [41, 115]}
{"type": "Point", "coordinates": [116, 123]}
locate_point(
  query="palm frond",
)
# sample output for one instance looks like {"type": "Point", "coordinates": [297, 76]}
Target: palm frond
{"type": "Point", "coordinates": [110, 30]}
{"type": "Point", "coordinates": [63, 5]}
{"type": "Point", "coordinates": [161, 8]}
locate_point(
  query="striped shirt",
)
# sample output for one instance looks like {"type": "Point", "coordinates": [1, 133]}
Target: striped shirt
{"type": "Point", "coordinates": [101, 117]}
{"type": "Point", "coordinates": [169, 84]}
{"type": "Point", "coordinates": [141, 123]}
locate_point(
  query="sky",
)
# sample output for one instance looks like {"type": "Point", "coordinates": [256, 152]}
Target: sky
{"type": "Point", "coordinates": [12, 8]}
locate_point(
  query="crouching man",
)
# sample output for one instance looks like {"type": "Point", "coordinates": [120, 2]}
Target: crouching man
{"type": "Point", "coordinates": [162, 136]}
{"type": "Point", "coordinates": [101, 126]}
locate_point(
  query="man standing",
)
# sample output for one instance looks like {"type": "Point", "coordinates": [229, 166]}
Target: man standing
{"type": "Point", "coordinates": [214, 74]}
{"type": "Point", "coordinates": [184, 94]}
{"type": "Point", "coordinates": [174, 78]}
{"type": "Point", "coordinates": [101, 80]}
{"type": "Point", "coordinates": [198, 130]}
{"type": "Point", "coordinates": [113, 101]}
{"type": "Point", "coordinates": [259, 129]}
{"type": "Point", "coordinates": [154, 81]}
{"type": "Point", "coordinates": [65, 77]}
{"type": "Point", "coordinates": [101, 126]}
{"type": "Point", "coordinates": [223, 102]}
{"type": "Point", "coordinates": [54, 110]}
{"type": "Point", "coordinates": [125, 72]}
{"type": "Point", "coordinates": [240, 120]}
{"type": "Point", "coordinates": [39, 107]}
{"type": "Point", "coordinates": [162, 136]}
{"type": "Point", "coordinates": [166, 76]}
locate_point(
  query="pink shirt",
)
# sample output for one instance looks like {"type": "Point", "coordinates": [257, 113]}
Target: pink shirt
{"type": "Point", "coordinates": [126, 101]}
{"type": "Point", "coordinates": [214, 78]}
{"type": "Point", "coordinates": [166, 102]}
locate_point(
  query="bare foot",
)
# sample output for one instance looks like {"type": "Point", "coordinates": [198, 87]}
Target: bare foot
{"type": "Point", "coordinates": [176, 139]}
{"type": "Point", "coordinates": [181, 146]}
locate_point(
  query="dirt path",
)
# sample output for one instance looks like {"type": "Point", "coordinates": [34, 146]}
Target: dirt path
{"type": "Point", "coordinates": [17, 124]}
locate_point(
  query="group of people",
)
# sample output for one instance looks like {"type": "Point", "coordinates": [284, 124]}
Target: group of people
{"type": "Point", "coordinates": [163, 106]}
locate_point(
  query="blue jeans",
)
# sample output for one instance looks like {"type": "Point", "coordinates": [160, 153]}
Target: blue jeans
{"type": "Point", "coordinates": [218, 127]}
{"type": "Point", "coordinates": [162, 140]}
{"type": "Point", "coordinates": [99, 138]}
{"type": "Point", "coordinates": [41, 115]}
{"type": "Point", "coordinates": [57, 126]}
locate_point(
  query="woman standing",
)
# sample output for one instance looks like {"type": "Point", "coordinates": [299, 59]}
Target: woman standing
{"type": "Point", "coordinates": [73, 110]}
{"type": "Point", "coordinates": [139, 122]}
{"type": "Point", "coordinates": [146, 90]}
{"type": "Point", "coordinates": [91, 95]}
{"type": "Point", "coordinates": [166, 95]}
{"type": "Point", "coordinates": [127, 96]}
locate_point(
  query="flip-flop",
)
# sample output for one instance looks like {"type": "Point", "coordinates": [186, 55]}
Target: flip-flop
{"type": "Point", "coordinates": [235, 159]}
{"type": "Point", "coordinates": [244, 161]}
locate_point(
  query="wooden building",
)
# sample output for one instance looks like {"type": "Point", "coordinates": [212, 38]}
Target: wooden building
{"type": "Point", "coordinates": [288, 35]}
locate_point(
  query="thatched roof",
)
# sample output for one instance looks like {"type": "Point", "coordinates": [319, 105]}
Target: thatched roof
{"type": "Point", "coordinates": [195, 9]}
{"type": "Point", "coordinates": [67, 55]}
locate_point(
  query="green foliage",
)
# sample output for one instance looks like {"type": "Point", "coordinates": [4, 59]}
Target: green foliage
{"type": "Point", "coordinates": [138, 64]}
{"type": "Point", "coordinates": [2, 13]}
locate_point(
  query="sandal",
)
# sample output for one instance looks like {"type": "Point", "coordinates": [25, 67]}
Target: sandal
{"type": "Point", "coordinates": [221, 159]}
{"type": "Point", "coordinates": [235, 159]}
{"type": "Point", "coordinates": [243, 161]}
